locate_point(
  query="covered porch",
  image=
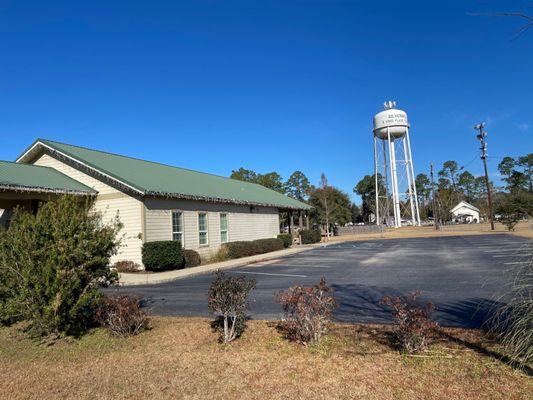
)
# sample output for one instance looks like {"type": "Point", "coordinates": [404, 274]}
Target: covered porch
{"type": "Point", "coordinates": [26, 186]}
{"type": "Point", "coordinates": [296, 220]}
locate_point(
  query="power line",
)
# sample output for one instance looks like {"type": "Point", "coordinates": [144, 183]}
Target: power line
{"type": "Point", "coordinates": [500, 157]}
{"type": "Point", "coordinates": [470, 162]}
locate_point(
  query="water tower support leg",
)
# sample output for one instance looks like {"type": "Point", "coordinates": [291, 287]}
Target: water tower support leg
{"type": "Point", "coordinates": [410, 181]}
{"type": "Point", "coordinates": [386, 212]}
{"type": "Point", "coordinates": [412, 169]}
{"type": "Point", "coordinates": [376, 215]}
{"type": "Point", "coordinates": [395, 198]}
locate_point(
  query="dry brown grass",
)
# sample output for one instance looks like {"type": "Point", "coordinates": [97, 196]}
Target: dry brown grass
{"type": "Point", "coordinates": [524, 229]}
{"type": "Point", "coordinates": [180, 358]}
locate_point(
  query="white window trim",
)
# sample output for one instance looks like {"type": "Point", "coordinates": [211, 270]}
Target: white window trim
{"type": "Point", "coordinates": [206, 244]}
{"type": "Point", "coordinates": [227, 227]}
{"type": "Point", "coordinates": [182, 226]}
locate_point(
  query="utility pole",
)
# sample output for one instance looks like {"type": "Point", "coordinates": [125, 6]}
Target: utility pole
{"type": "Point", "coordinates": [435, 216]}
{"type": "Point", "coordinates": [481, 137]}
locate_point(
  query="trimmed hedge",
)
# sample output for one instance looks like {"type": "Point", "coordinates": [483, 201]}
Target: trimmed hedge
{"type": "Point", "coordinates": [310, 236]}
{"type": "Point", "coordinates": [191, 259]}
{"type": "Point", "coordinates": [241, 249]}
{"type": "Point", "coordinates": [268, 245]}
{"type": "Point", "coordinates": [252, 248]}
{"type": "Point", "coordinates": [162, 255]}
{"type": "Point", "coordinates": [286, 238]}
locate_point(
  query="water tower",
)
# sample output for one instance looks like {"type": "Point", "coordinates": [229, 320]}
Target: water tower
{"type": "Point", "coordinates": [393, 169]}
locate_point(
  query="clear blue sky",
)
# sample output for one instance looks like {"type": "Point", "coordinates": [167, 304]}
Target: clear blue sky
{"type": "Point", "coordinates": [270, 85]}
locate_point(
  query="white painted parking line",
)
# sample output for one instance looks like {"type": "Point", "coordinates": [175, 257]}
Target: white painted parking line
{"type": "Point", "coordinates": [306, 266]}
{"type": "Point", "coordinates": [267, 273]}
{"type": "Point", "coordinates": [499, 245]}
{"type": "Point", "coordinates": [499, 248]}
{"type": "Point", "coordinates": [261, 263]}
{"type": "Point", "coordinates": [502, 250]}
{"type": "Point", "coordinates": [517, 262]}
{"type": "Point", "coordinates": [512, 255]}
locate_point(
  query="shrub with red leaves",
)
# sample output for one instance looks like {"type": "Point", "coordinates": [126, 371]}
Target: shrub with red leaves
{"type": "Point", "coordinates": [127, 266]}
{"type": "Point", "coordinates": [413, 326]}
{"type": "Point", "coordinates": [307, 311]}
{"type": "Point", "coordinates": [122, 315]}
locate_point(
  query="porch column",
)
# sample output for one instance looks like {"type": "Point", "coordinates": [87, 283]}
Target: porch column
{"type": "Point", "coordinates": [306, 220]}
{"type": "Point", "coordinates": [300, 219]}
{"type": "Point", "coordinates": [291, 222]}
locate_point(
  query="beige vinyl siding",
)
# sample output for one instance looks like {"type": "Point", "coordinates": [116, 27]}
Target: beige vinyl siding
{"type": "Point", "coordinates": [47, 160]}
{"type": "Point", "coordinates": [262, 222]}
{"type": "Point", "coordinates": [109, 202]}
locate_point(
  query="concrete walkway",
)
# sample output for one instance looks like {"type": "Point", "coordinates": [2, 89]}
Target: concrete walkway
{"type": "Point", "coordinates": [159, 277]}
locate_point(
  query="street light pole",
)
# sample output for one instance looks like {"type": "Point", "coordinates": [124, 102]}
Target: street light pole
{"type": "Point", "coordinates": [481, 137]}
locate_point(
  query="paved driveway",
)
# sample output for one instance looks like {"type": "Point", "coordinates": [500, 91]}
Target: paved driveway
{"type": "Point", "coordinates": [465, 276]}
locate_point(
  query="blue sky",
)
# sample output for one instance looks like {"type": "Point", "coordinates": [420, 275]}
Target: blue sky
{"type": "Point", "coordinates": [270, 85]}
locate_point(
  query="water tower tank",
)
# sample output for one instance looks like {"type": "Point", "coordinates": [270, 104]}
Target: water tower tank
{"type": "Point", "coordinates": [393, 119]}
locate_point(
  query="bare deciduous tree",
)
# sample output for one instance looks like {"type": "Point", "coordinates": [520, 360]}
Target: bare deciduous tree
{"type": "Point", "coordinates": [324, 194]}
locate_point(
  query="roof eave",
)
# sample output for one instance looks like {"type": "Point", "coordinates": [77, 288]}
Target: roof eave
{"type": "Point", "coordinates": [26, 157]}
{"type": "Point", "coordinates": [223, 200]}
{"type": "Point", "coordinates": [39, 189]}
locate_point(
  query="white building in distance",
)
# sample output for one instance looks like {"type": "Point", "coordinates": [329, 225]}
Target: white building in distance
{"type": "Point", "coordinates": [465, 213]}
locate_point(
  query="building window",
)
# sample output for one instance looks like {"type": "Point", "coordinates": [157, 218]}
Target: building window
{"type": "Point", "coordinates": [177, 226]}
{"type": "Point", "coordinates": [224, 228]}
{"type": "Point", "coordinates": [202, 228]}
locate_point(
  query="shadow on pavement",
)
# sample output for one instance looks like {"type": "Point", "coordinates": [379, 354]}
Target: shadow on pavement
{"type": "Point", "coordinates": [360, 303]}
{"type": "Point", "coordinates": [468, 313]}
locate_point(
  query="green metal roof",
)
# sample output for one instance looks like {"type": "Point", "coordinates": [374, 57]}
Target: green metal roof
{"type": "Point", "coordinates": [35, 178]}
{"type": "Point", "coordinates": [151, 178]}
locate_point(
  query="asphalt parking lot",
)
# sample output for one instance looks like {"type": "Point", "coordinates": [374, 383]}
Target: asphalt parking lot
{"type": "Point", "coordinates": [464, 276]}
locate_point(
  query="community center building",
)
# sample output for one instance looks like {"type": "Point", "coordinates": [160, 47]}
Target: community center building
{"type": "Point", "coordinates": [153, 201]}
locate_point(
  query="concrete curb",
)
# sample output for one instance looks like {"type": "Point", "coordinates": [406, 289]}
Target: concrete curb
{"type": "Point", "coordinates": [160, 277]}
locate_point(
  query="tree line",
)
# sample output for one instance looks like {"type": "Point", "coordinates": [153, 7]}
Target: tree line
{"type": "Point", "coordinates": [331, 205]}
{"type": "Point", "coordinates": [454, 184]}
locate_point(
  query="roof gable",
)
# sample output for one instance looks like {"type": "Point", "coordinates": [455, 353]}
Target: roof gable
{"type": "Point", "coordinates": [14, 176]}
{"type": "Point", "coordinates": [152, 178]}
{"type": "Point", "coordinates": [466, 205]}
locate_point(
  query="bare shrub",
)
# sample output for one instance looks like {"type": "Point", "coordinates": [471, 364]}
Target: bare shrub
{"type": "Point", "coordinates": [307, 311]}
{"type": "Point", "coordinates": [220, 255]}
{"type": "Point", "coordinates": [413, 327]}
{"type": "Point", "coordinates": [126, 266]}
{"type": "Point", "coordinates": [228, 298]}
{"type": "Point", "coordinates": [122, 315]}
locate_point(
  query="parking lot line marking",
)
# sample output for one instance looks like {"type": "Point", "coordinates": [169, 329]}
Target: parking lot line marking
{"type": "Point", "coordinates": [517, 262]}
{"type": "Point", "coordinates": [503, 251]}
{"type": "Point", "coordinates": [261, 263]}
{"type": "Point", "coordinates": [497, 245]}
{"type": "Point", "coordinates": [512, 255]}
{"type": "Point", "coordinates": [268, 273]}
